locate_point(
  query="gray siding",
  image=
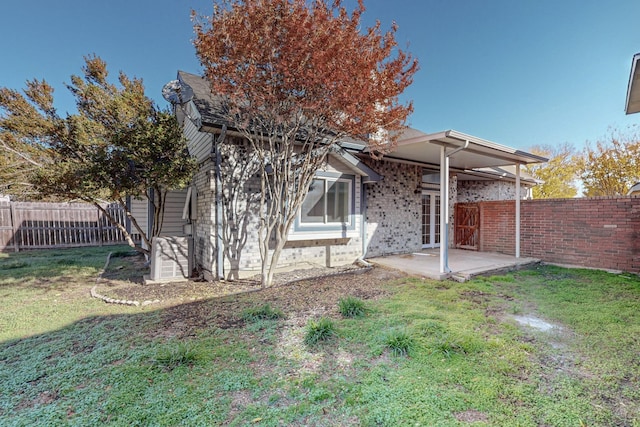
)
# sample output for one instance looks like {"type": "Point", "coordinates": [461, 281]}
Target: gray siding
{"type": "Point", "coordinates": [174, 205]}
{"type": "Point", "coordinates": [140, 211]}
{"type": "Point", "coordinates": [199, 143]}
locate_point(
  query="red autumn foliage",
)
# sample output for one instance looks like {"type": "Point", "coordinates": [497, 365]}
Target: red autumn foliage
{"type": "Point", "coordinates": [281, 60]}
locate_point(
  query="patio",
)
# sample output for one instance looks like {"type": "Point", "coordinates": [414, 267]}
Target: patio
{"type": "Point", "coordinates": [464, 264]}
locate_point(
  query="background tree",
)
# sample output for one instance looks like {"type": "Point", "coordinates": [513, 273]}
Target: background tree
{"type": "Point", "coordinates": [613, 166]}
{"type": "Point", "coordinates": [118, 144]}
{"type": "Point", "coordinates": [559, 173]}
{"type": "Point", "coordinates": [295, 77]}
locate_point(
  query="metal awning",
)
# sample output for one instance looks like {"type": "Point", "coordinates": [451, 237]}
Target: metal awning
{"type": "Point", "coordinates": [416, 146]}
{"type": "Point", "coordinates": [633, 90]}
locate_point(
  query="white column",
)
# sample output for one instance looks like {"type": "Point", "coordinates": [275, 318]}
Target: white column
{"type": "Point", "coordinates": [517, 210]}
{"type": "Point", "coordinates": [444, 211]}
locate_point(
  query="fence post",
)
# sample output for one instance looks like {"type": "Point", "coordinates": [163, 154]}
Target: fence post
{"type": "Point", "coordinates": [14, 226]}
{"type": "Point", "coordinates": [99, 222]}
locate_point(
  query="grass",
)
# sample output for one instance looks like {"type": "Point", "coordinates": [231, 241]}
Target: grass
{"type": "Point", "coordinates": [66, 359]}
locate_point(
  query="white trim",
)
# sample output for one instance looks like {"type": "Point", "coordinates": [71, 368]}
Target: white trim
{"type": "Point", "coordinates": [432, 216]}
{"type": "Point", "coordinates": [350, 207]}
{"type": "Point", "coordinates": [187, 203]}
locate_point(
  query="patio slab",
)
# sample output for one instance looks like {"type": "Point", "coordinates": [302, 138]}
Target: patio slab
{"type": "Point", "coordinates": [463, 264]}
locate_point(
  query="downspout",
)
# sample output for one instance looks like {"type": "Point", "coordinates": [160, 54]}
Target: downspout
{"type": "Point", "coordinates": [363, 221]}
{"type": "Point", "coordinates": [517, 210]}
{"type": "Point", "coordinates": [219, 219]}
{"type": "Point", "coordinates": [444, 205]}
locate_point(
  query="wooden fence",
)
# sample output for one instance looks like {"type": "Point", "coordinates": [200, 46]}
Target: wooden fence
{"type": "Point", "coordinates": [26, 225]}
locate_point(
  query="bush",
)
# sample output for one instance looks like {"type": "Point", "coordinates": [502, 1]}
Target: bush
{"type": "Point", "coordinates": [351, 307]}
{"type": "Point", "coordinates": [399, 342]}
{"type": "Point", "coordinates": [264, 312]}
{"type": "Point", "coordinates": [320, 330]}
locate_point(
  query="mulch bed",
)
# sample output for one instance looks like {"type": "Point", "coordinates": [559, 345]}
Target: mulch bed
{"type": "Point", "coordinates": [188, 306]}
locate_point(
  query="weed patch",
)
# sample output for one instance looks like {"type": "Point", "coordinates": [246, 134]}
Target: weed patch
{"type": "Point", "coordinates": [319, 330]}
{"type": "Point", "coordinates": [351, 307]}
{"type": "Point", "coordinates": [399, 342]}
{"type": "Point", "coordinates": [173, 355]}
{"type": "Point", "coordinates": [263, 312]}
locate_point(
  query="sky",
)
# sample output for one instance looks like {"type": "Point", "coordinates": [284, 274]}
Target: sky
{"type": "Point", "coordinates": [516, 72]}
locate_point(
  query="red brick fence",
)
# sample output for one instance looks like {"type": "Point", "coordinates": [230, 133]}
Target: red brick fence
{"type": "Point", "coordinates": [590, 232]}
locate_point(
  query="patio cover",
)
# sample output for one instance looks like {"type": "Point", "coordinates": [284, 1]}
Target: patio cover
{"type": "Point", "coordinates": [420, 147]}
{"type": "Point", "coordinates": [455, 149]}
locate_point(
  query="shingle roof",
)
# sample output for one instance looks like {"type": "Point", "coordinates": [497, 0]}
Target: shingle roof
{"type": "Point", "coordinates": [209, 106]}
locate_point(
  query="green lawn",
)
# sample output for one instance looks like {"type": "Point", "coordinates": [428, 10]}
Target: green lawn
{"type": "Point", "coordinates": [425, 353]}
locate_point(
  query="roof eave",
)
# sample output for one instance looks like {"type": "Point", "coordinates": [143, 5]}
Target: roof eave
{"type": "Point", "coordinates": [632, 104]}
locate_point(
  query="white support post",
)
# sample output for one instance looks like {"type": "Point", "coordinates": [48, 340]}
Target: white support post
{"type": "Point", "coordinates": [518, 210]}
{"type": "Point", "coordinates": [444, 211]}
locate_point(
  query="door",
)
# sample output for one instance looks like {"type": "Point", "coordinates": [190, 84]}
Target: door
{"type": "Point", "coordinates": [467, 226]}
{"type": "Point", "coordinates": [430, 219]}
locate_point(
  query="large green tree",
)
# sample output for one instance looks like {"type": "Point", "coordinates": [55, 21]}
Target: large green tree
{"type": "Point", "coordinates": [613, 165]}
{"type": "Point", "coordinates": [295, 77]}
{"type": "Point", "coordinates": [558, 175]}
{"type": "Point", "coordinates": [118, 144]}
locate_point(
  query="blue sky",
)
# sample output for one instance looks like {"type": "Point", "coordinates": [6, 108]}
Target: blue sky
{"type": "Point", "coordinates": [517, 72]}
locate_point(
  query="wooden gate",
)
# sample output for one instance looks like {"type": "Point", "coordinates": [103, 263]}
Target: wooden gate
{"type": "Point", "coordinates": [467, 226]}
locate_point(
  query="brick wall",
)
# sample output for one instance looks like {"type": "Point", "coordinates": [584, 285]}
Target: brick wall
{"type": "Point", "coordinates": [479, 191]}
{"type": "Point", "coordinates": [394, 207]}
{"type": "Point", "coordinates": [590, 232]}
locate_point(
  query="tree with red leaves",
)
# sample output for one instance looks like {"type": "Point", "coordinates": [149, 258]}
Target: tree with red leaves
{"type": "Point", "coordinates": [296, 77]}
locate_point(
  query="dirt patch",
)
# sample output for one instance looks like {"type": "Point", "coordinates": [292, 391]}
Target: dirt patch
{"type": "Point", "coordinates": [123, 280]}
{"type": "Point", "coordinates": [298, 300]}
{"type": "Point", "coordinates": [471, 416]}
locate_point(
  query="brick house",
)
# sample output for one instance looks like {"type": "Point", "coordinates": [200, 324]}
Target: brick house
{"type": "Point", "coordinates": [357, 207]}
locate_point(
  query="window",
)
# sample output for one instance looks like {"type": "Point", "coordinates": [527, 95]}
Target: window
{"type": "Point", "coordinates": [328, 202]}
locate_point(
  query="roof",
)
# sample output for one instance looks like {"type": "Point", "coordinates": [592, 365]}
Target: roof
{"type": "Point", "coordinates": [635, 190]}
{"type": "Point", "coordinates": [633, 89]}
{"type": "Point", "coordinates": [413, 145]}
{"type": "Point", "coordinates": [210, 108]}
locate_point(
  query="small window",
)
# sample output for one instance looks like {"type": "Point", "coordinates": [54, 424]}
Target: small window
{"type": "Point", "coordinates": [328, 202]}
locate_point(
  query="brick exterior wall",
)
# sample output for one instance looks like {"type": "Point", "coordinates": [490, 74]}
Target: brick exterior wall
{"type": "Point", "coordinates": [590, 232]}
{"type": "Point", "coordinates": [240, 192]}
{"type": "Point", "coordinates": [394, 209]}
{"type": "Point", "coordinates": [204, 224]}
{"type": "Point", "coordinates": [481, 191]}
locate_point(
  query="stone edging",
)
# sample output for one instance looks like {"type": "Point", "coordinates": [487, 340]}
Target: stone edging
{"type": "Point", "coordinates": [94, 293]}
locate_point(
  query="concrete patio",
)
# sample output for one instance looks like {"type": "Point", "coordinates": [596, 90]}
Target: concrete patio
{"type": "Point", "coordinates": [462, 263]}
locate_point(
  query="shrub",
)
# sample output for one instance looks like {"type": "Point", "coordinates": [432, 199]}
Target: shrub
{"type": "Point", "coordinates": [351, 307]}
{"type": "Point", "coordinates": [399, 342]}
{"type": "Point", "coordinates": [264, 312]}
{"type": "Point", "coordinates": [319, 330]}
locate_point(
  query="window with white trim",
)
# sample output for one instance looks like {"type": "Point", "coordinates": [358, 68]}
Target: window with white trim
{"type": "Point", "coordinates": [328, 202]}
